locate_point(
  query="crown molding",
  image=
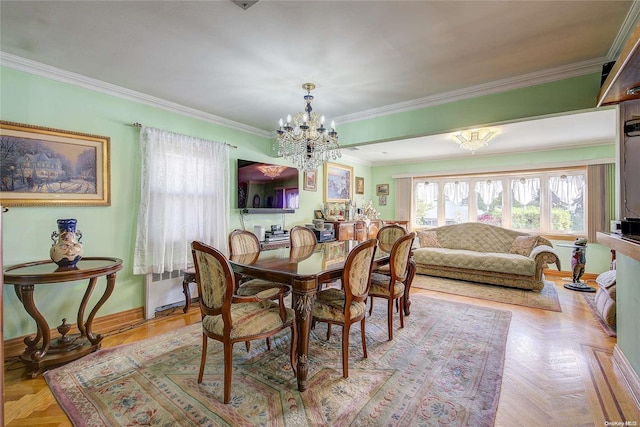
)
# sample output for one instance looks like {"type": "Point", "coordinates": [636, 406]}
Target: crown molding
{"type": "Point", "coordinates": [531, 79]}
{"type": "Point", "coordinates": [573, 70]}
{"type": "Point", "coordinates": [495, 169]}
{"type": "Point", "coordinates": [22, 64]}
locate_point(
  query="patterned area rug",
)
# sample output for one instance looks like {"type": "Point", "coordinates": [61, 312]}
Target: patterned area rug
{"type": "Point", "coordinates": [590, 299]}
{"type": "Point", "coordinates": [444, 368]}
{"type": "Point", "coordinates": [546, 299]}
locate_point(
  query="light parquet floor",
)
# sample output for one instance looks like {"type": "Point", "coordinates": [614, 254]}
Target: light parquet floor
{"type": "Point", "coordinates": [558, 370]}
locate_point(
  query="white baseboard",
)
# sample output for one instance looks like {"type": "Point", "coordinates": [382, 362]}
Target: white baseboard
{"type": "Point", "coordinates": [627, 374]}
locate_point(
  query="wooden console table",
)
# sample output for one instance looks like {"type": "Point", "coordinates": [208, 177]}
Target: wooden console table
{"type": "Point", "coordinates": [41, 351]}
{"type": "Point", "coordinates": [355, 230]}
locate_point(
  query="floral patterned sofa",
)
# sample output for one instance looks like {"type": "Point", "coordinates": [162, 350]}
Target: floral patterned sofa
{"type": "Point", "coordinates": [484, 253]}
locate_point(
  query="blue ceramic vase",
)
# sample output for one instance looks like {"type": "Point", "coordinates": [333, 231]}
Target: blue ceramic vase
{"type": "Point", "coordinates": [66, 250]}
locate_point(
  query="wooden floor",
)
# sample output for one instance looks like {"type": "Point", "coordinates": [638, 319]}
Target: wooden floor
{"type": "Point", "coordinates": [558, 370]}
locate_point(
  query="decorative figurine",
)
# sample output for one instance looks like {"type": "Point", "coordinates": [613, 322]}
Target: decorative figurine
{"type": "Point", "coordinates": [578, 259]}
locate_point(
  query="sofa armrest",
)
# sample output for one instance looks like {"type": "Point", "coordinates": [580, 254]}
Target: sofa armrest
{"type": "Point", "coordinates": [544, 255]}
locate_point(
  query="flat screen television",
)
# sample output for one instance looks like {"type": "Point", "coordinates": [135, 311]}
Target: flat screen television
{"type": "Point", "coordinates": [266, 186]}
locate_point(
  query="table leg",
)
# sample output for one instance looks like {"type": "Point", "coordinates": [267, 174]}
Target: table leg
{"type": "Point", "coordinates": [83, 305]}
{"type": "Point", "coordinates": [304, 294]}
{"type": "Point", "coordinates": [407, 286]}
{"type": "Point", "coordinates": [43, 332]}
{"type": "Point", "coordinates": [31, 343]}
{"type": "Point", "coordinates": [189, 277]}
{"type": "Point", "coordinates": [111, 284]}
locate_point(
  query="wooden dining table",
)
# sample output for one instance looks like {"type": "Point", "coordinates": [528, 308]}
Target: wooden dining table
{"type": "Point", "coordinates": [304, 268]}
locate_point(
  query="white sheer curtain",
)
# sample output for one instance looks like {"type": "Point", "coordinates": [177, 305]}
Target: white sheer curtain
{"type": "Point", "coordinates": [184, 197]}
{"type": "Point", "coordinates": [489, 190]}
{"type": "Point", "coordinates": [427, 191]}
{"type": "Point", "coordinates": [567, 187]}
{"type": "Point", "coordinates": [456, 191]}
{"type": "Point", "coordinates": [525, 189]}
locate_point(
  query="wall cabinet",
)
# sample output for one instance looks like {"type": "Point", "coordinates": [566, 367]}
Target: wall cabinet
{"type": "Point", "coordinates": [623, 81]}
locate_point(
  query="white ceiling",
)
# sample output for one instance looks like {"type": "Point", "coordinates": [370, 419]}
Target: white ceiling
{"type": "Point", "coordinates": [244, 68]}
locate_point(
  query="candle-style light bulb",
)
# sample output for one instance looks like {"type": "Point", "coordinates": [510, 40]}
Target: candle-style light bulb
{"type": "Point", "coordinates": [333, 125]}
{"type": "Point", "coordinates": [288, 118]}
{"type": "Point", "coordinates": [281, 123]}
{"type": "Point", "coordinates": [322, 120]}
{"type": "Point", "coordinates": [305, 118]}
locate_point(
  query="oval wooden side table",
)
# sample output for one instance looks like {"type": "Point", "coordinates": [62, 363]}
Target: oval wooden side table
{"type": "Point", "coordinates": [41, 351]}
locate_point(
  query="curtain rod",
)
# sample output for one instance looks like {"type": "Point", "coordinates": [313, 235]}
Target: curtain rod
{"type": "Point", "coordinates": [139, 125]}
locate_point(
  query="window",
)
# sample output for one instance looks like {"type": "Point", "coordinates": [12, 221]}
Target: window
{"type": "Point", "coordinates": [543, 201]}
{"type": "Point", "coordinates": [184, 197]}
{"type": "Point", "coordinates": [426, 204]}
{"type": "Point", "coordinates": [525, 203]}
{"type": "Point", "coordinates": [488, 198]}
{"type": "Point", "coordinates": [567, 202]}
{"type": "Point", "coordinates": [456, 202]}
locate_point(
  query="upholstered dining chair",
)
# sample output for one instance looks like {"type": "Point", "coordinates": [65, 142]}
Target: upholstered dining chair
{"type": "Point", "coordinates": [391, 286]}
{"type": "Point", "coordinates": [230, 318]}
{"type": "Point", "coordinates": [387, 236]}
{"type": "Point", "coordinates": [301, 236]}
{"type": "Point", "coordinates": [242, 242]}
{"type": "Point", "coordinates": [302, 239]}
{"type": "Point", "coordinates": [348, 305]}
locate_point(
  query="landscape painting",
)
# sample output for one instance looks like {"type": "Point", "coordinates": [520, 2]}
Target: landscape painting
{"type": "Point", "coordinates": [43, 166]}
{"type": "Point", "coordinates": [338, 184]}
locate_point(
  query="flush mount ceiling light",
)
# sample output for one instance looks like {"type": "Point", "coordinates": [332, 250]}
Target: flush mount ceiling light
{"type": "Point", "coordinates": [474, 139]}
{"type": "Point", "coordinates": [304, 140]}
{"type": "Point", "coordinates": [271, 171]}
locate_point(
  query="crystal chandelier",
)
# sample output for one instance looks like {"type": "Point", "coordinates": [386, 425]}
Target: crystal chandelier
{"type": "Point", "coordinates": [271, 171]}
{"type": "Point", "coordinates": [304, 140]}
{"type": "Point", "coordinates": [474, 139]}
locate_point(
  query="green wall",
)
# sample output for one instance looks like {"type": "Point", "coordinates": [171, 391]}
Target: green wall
{"type": "Point", "coordinates": [110, 231]}
{"type": "Point", "coordinates": [550, 98]}
{"type": "Point", "coordinates": [627, 303]}
{"type": "Point", "coordinates": [107, 231]}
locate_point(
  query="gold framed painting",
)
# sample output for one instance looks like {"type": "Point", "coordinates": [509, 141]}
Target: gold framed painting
{"type": "Point", "coordinates": [359, 185]}
{"type": "Point", "coordinates": [310, 181]}
{"type": "Point", "coordinates": [382, 190]}
{"type": "Point", "coordinates": [338, 183]}
{"type": "Point", "coordinates": [51, 167]}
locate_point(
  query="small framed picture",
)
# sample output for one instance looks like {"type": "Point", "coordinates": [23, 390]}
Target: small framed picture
{"type": "Point", "coordinates": [382, 200]}
{"type": "Point", "coordinates": [382, 190]}
{"type": "Point", "coordinates": [359, 185]}
{"type": "Point", "coordinates": [317, 214]}
{"type": "Point", "coordinates": [310, 181]}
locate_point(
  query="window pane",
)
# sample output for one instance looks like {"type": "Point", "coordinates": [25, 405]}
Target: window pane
{"type": "Point", "coordinates": [567, 202]}
{"type": "Point", "coordinates": [489, 201]}
{"type": "Point", "coordinates": [292, 198]}
{"type": "Point", "coordinates": [525, 203]}
{"type": "Point", "coordinates": [456, 196]}
{"type": "Point", "coordinates": [426, 204]}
